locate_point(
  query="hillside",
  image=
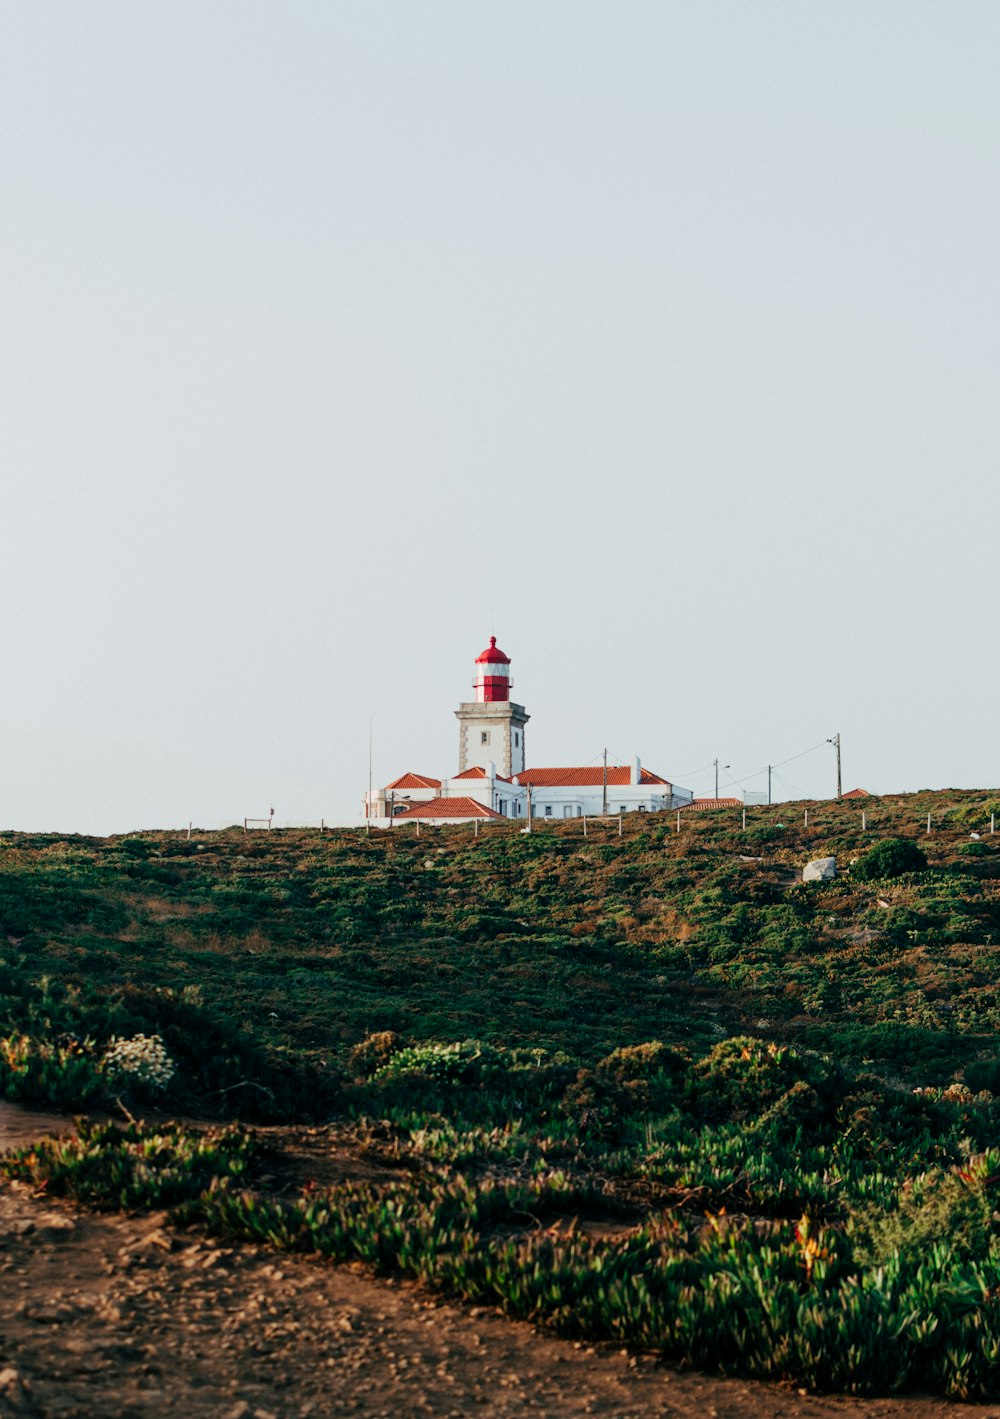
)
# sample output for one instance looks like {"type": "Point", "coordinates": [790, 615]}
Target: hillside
{"type": "Point", "coordinates": [310, 942]}
{"type": "Point", "coordinates": [652, 1090]}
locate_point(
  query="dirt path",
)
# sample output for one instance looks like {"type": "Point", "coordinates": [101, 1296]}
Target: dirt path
{"type": "Point", "coordinates": [125, 1318]}
{"type": "Point", "coordinates": [19, 1127]}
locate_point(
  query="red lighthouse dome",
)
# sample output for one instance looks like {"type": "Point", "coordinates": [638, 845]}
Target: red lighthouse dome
{"type": "Point", "coordinates": [492, 680]}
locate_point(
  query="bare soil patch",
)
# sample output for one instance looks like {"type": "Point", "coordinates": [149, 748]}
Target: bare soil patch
{"type": "Point", "coordinates": [127, 1318]}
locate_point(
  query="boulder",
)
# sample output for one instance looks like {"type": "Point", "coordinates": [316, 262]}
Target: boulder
{"type": "Point", "coordinates": [821, 869]}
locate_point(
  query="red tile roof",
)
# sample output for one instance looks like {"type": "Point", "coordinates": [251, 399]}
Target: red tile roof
{"type": "Point", "coordinates": [414, 781]}
{"type": "Point", "coordinates": [857, 793]}
{"type": "Point", "coordinates": [619, 776]}
{"type": "Point", "coordinates": [477, 772]}
{"type": "Point", "coordinates": [448, 808]}
{"type": "Point", "coordinates": [702, 804]}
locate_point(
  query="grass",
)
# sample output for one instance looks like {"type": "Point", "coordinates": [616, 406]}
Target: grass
{"type": "Point", "coordinates": [780, 1092]}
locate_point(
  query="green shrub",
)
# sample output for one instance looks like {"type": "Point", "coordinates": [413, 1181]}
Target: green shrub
{"type": "Point", "coordinates": [600, 1106]}
{"type": "Point", "coordinates": [373, 1053]}
{"type": "Point", "coordinates": [955, 1204]}
{"type": "Point", "coordinates": [976, 849]}
{"type": "Point", "coordinates": [889, 858]}
{"type": "Point", "coordinates": [42, 1072]}
{"type": "Point", "coordinates": [634, 1079]}
{"type": "Point", "coordinates": [976, 815]}
{"type": "Point", "coordinates": [467, 1062]}
{"type": "Point", "coordinates": [743, 1077]}
{"type": "Point", "coordinates": [631, 1063]}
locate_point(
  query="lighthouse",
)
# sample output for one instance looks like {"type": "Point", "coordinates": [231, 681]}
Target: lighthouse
{"type": "Point", "coordinates": [492, 682]}
{"type": "Point", "coordinates": [494, 782]}
{"type": "Point", "coordinates": [491, 728]}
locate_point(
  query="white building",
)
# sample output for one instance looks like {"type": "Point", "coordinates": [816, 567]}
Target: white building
{"type": "Point", "coordinates": [493, 780]}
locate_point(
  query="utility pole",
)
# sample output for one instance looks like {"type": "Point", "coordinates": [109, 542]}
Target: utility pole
{"type": "Point", "coordinates": [769, 785]}
{"type": "Point", "coordinates": [604, 794]}
{"type": "Point", "coordinates": [716, 763]}
{"type": "Point", "coordinates": [835, 741]}
{"type": "Point", "coordinates": [368, 809]}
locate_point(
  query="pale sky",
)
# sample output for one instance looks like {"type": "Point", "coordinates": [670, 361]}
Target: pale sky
{"type": "Point", "coordinates": [662, 338]}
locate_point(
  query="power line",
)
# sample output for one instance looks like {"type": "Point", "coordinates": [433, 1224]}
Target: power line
{"type": "Point", "coordinates": [790, 788]}
{"type": "Point", "coordinates": [690, 773]}
{"type": "Point", "coordinates": [790, 760]}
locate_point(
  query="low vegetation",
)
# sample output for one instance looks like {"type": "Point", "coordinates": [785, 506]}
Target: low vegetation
{"type": "Point", "coordinates": [653, 1090]}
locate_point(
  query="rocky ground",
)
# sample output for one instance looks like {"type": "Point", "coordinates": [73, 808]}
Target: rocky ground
{"type": "Point", "coordinates": [128, 1318]}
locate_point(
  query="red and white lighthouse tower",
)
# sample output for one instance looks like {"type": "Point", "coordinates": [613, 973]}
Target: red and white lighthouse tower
{"type": "Point", "coordinates": [492, 680]}
{"type": "Point", "coordinates": [491, 728]}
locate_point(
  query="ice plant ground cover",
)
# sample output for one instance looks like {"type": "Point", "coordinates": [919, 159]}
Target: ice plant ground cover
{"type": "Point", "coordinates": [856, 1258]}
{"type": "Point", "coordinates": [654, 1090]}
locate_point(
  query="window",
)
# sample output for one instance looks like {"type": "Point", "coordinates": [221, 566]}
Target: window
{"type": "Point", "coordinates": [548, 810]}
{"type": "Point", "coordinates": [622, 808]}
{"type": "Point", "coordinates": [484, 737]}
{"type": "Point", "coordinates": [517, 739]}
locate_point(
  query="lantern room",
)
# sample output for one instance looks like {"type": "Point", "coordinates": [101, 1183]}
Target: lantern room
{"type": "Point", "coordinates": [492, 680]}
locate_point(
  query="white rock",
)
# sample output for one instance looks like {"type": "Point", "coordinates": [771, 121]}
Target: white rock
{"type": "Point", "coordinates": [821, 869]}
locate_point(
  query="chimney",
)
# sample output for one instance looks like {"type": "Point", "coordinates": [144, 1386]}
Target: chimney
{"type": "Point", "coordinates": [637, 771]}
{"type": "Point", "coordinates": [491, 769]}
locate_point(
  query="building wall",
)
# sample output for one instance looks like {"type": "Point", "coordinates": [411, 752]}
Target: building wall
{"type": "Point", "coordinates": [507, 799]}
{"type": "Point", "coordinates": [547, 804]}
{"type": "Point", "coordinates": [502, 722]}
{"type": "Point", "coordinates": [628, 798]}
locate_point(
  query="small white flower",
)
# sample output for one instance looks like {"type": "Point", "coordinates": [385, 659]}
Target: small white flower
{"type": "Point", "coordinates": [141, 1060]}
